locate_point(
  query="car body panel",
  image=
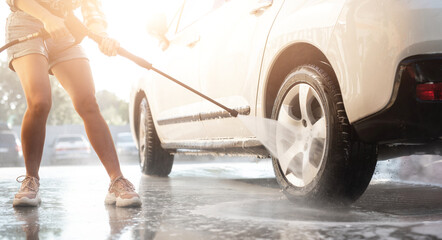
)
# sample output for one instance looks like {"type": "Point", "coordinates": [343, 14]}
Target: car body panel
{"type": "Point", "coordinates": [299, 22]}
{"type": "Point", "coordinates": [167, 100]}
{"type": "Point", "coordinates": [371, 38]}
{"type": "Point", "coordinates": [364, 44]}
{"type": "Point", "coordinates": [230, 72]}
{"type": "Point", "coordinates": [231, 60]}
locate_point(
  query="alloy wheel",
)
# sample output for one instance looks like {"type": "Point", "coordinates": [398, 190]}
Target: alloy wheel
{"type": "Point", "coordinates": [303, 111]}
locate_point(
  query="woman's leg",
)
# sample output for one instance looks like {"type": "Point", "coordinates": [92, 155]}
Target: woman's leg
{"type": "Point", "coordinates": [76, 77]}
{"type": "Point", "coordinates": [32, 71]}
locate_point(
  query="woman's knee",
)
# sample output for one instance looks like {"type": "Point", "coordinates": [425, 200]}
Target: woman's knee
{"type": "Point", "coordinates": [87, 106]}
{"type": "Point", "coordinates": [40, 107]}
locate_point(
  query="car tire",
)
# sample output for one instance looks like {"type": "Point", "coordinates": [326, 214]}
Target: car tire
{"type": "Point", "coordinates": [154, 160]}
{"type": "Point", "coordinates": [331, 165]}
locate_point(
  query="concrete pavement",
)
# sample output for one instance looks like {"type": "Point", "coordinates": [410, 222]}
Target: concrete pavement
{"type": "Point", "coordinates": [211, 200]}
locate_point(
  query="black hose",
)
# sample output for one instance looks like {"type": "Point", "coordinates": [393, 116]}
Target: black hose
{"type": "Point", "coordinates": [8, 45]}
{"type": "Point", "coordinates": [38, 34]}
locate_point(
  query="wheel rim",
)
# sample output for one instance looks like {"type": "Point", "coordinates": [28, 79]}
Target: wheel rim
{"type": "Point", "coordinates": [142, 134]}
{"type": "Point", "coordinates": [303, 111]}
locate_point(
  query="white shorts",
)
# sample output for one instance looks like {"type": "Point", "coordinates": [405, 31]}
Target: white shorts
{"type": "Point", "coordinates": [20, 24]}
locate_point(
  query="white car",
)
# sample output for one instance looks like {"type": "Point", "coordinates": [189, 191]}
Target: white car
{"type": "Point", "coordinates": [361, 80]}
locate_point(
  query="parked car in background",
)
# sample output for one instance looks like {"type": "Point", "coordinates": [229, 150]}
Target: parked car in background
{"type": "Point", "coordinates": [68, 148]}
{"type": "Point", "coordinates": [359, 80]}
{"type": "Point", "coordinates": [10, 149]}
{"type": "Point", "coordinates": [126, 147]}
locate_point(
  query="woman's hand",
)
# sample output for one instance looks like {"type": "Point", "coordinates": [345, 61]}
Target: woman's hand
{"type": "Point", "coordinates": [55, 27]}
{"type": "Point", "coordinates": [109, 46]}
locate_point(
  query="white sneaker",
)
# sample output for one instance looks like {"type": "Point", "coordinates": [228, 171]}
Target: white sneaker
{"type": "Point", "coordinates": [122, 194]}
{"type": "Point", "coordinates": [28, 195]}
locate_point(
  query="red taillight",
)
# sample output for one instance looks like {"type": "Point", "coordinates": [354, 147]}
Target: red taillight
{"type": "Point", "coordinates": [429, 91]}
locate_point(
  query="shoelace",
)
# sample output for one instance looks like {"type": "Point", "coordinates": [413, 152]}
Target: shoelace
{"type": "Point", "coordinates": [127, 186]}
{"type": "Point", "coordinates": [27, 181]}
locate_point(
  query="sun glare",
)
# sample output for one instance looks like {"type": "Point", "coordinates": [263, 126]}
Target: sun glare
{"type": "Point", "coordinates": [127, 22]}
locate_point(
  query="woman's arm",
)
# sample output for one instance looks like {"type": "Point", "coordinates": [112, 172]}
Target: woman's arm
{"type": "Point", "coordinates": [95, 20]}
{"type": "Point", "coordinates": [53, 25]}
{"type": "Point", "coordinates": [93, 16]}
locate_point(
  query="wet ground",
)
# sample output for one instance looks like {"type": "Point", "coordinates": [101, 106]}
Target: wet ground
{"type": "Point", "coordinates": [212, 200]}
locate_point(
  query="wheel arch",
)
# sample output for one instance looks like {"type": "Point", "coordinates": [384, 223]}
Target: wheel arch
{"type": "Point", "coordinates": [292, 56]}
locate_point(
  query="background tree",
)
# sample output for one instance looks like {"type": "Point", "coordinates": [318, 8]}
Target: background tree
{"type": "Point", "coordinates": [114, 110]}
{"type": "Point", "coordinates": [12, 98]}
{"type": "Point", "coordinates": [62, 111]}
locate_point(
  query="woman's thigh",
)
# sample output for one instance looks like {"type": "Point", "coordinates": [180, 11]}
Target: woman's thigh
{"type": "Point", "coordinates": [76, 78]}
{"type": "Point", "coordinates": [20, 24]}
{"type": "Point", "coordinates": [33, 74]}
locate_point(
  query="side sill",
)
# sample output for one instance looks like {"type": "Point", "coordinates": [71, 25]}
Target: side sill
{"type": "Point", "coordinates": [210, 144]}
{"type": "Point", "coordinates": [203, 116]}
{"type": "Point", "coordinates": [246, 146]}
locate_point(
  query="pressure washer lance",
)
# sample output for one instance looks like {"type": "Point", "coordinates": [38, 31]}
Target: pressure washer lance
{"type": "Point", "coordinates": [79, 31]}
{"type": "Point", "coordinates": [147, 65]}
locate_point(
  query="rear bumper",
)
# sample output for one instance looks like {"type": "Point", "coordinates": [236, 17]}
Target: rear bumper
{"type": "Point", "coordinates": [406, 119]}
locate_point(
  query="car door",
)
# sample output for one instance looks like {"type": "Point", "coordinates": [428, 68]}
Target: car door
{"type": "Point", "coordinates": [232, 41]}
{"type": "Point", "coordinates": [175, 109]}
